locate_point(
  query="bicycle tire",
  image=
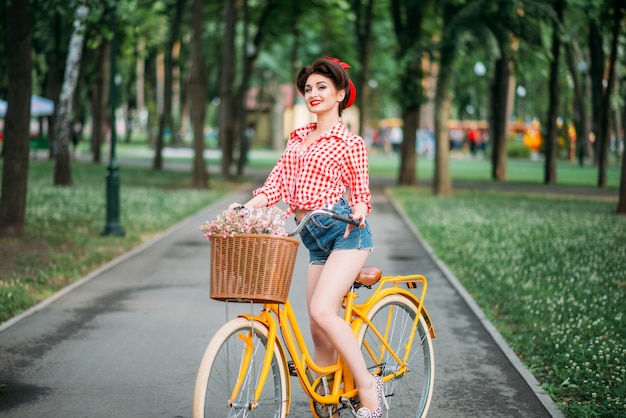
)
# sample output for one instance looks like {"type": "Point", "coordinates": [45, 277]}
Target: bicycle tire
{"type": "Point", "coordinates": [410, 394]}
{"type": "Point", "coordinates": [220, 367]}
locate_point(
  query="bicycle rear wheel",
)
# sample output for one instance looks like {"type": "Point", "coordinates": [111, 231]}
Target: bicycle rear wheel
{"type": "Point", "coordinates": [408, 395]}
{"type": "Point", "coordinates": [240, 342]}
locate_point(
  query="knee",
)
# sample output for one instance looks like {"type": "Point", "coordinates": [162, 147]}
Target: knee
{"type": "Point", "coordinates": [318, 318]}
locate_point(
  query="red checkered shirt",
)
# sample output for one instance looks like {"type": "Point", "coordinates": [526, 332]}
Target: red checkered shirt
{"type": "Point", "coordinates": [319, 174]}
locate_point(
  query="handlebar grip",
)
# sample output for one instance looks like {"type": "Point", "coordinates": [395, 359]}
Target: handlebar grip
{"type": "Point", "coordinates": [346, 219]}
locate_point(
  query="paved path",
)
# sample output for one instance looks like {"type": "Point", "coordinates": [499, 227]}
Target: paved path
{"type": "Point", "coordinates": [126, 340]}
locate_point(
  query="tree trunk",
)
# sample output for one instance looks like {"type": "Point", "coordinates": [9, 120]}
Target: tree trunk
{"type": "Point", "coordinates": [603, 140]}
{"type": "Point", "coordinates": [184, 100]}
{"type": "Point", "coordinates": [551, 143]}
{"type": "Point", "coordinates": [241, 112]}
{"type": "Point", "coordinates": [363, 29]}
{"type": "Point", "coordinates": [250, 56]}
{"type": "Point", "coordinates": [616, 124]}
{"type": "Point", "coordinates": [621, 204]}
{"type": "Point", "coordinates": [277, 112]}
{"type": "Point", "coordinates": [140, 87]}
{"type": "Point", "coordinates": [131, 98]}
{"type": "Point", "coordinates": [165, 120]}
{"type": "Point", "coordinates": [198, 98]}
{"type": "Point", "coordinates": [151, 90]}
{"type": "Point", "coordinates": [62, 171]}
{"type": "Point", "coordinates": [54, 78]}
{"type": "Point", "coordinates": [226, 113]}
{"type": "Point", "coordinates": [295, 48]}
{"type": "Point", "coordinates": [499, 99]}
{"type": "Point", "coordinates": [19, 31]}
{"type": "Point", "coordinates": [99, 100]}
{"type": "Point", "coordinates": [442, 182]}
{"type": "Point", "coordinates": [408, 17]}
{"type": "Point", "coordinates": [408, 165]}
{"type": "Point", "coordinates": [596, 73]}
{"type": "Point", "coordinates": [580, 112]}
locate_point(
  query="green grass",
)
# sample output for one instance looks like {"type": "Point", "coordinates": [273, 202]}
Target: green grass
{"type": "Point", "coordinates": [519, 171]}
{"type": "Point", "coordinates": [63, 224]}
{"type": "Point", "coordinates": [550, 273]}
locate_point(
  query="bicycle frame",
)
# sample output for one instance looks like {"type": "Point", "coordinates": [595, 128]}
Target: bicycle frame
{"type": "Point", "coordinates": [281, 318]}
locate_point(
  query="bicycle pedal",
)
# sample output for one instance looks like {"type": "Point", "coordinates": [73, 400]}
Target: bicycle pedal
{"type": "Point", "coordinates": [292, 368]}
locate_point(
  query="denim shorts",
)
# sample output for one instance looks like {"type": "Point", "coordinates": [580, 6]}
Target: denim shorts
{"type": "Point", "coordinates": [323, 235]}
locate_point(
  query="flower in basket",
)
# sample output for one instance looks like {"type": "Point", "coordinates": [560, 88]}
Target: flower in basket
{"type": "Point", "coordinates": [246, 221]}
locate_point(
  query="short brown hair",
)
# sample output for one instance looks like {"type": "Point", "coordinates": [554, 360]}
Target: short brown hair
{"type": "Point", "coordinates": [330, 69]}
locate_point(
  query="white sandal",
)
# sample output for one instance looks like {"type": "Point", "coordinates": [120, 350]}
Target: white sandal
{"type": "Point", "coordinates": [378, 412]}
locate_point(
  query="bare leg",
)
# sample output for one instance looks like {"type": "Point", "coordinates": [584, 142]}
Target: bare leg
{"type": "Point", "coordinates": [323, 350]}
{"type": "Point", "coordinates": [326, 286]}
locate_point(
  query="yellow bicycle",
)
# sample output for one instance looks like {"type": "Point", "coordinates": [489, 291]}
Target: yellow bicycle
{"type": "Point", "coordinates": [246, 367]}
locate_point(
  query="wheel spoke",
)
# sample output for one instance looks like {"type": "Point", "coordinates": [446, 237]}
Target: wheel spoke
{"type": "Point", "coordinates": [393, 317]}
{"type": "Point", "coordinates": [232, 366]}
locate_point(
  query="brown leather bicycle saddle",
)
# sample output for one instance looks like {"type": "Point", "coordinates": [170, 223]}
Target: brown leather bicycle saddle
{"type": "Point", "coordinates": [369, 275]}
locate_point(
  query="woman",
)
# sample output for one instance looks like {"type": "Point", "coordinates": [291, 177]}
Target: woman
{"type": "Point", "coordinates": [320, 160]}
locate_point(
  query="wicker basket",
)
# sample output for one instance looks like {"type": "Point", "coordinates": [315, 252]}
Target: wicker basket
{"type": "Point", "coordinates": [252, 267]}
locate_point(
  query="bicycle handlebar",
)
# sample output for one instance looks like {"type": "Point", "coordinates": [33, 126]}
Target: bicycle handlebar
{"type": "Point", "coordinates": [324, 212]}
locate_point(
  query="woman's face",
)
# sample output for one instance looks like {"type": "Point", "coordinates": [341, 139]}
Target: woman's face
{"type": "Point", "coordinates": [321, 95]}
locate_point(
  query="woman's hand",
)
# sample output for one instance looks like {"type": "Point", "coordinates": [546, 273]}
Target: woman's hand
{"type": "Point", "coordinates": [359, 211]}
{"type": "Point", "coordinates": [257, 201]}
{"type": "Point", "coordinates": [350, 227]}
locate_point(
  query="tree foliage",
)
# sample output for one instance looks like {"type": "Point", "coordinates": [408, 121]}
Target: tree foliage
{"type": "Point", "coordinates": [396, 49]}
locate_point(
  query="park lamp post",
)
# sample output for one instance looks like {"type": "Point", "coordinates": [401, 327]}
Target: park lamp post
{"type": "Point", "coordinates": [521, 111]}
{"type": "Point", "coordinates": [581, 141]}
{"type": "Point", "coordinates": [112, 225]}
{"type": "Point", "coordinates": [480, 70]}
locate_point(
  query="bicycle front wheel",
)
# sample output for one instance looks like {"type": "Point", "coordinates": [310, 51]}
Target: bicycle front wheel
{"type": "Point", "coordinates": [409, 394]}
{"type": "Point", "coordinates": [231, 367]}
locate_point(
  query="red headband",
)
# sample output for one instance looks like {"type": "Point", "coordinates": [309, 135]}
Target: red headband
{"type": "Point", "coordinates": [351, 88]}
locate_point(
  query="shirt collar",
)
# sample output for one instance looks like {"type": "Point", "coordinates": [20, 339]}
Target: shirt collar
{"type": "Point", "coordinates": [339, 131]}
{"type": "Point", "coordinates": [303, 131]}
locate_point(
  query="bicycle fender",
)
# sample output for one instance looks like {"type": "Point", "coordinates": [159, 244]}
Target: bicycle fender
{"type": "Point", "coordinates": [429, 323]}
{"type": "Point", "coordinates": [259, 318]}
{"type": "Point", "coordinates": [399, 291]}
